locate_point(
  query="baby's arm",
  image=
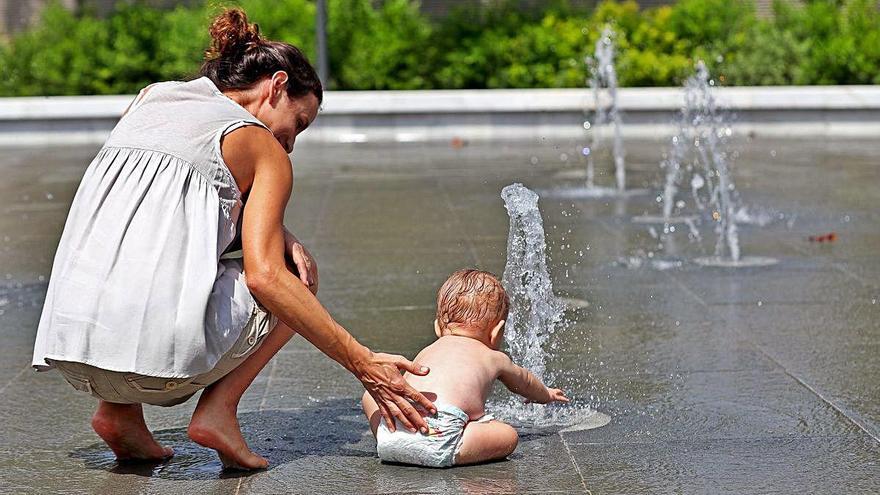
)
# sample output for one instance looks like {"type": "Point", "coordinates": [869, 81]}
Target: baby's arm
{"type": "Point", "coordinates": [522, 382]}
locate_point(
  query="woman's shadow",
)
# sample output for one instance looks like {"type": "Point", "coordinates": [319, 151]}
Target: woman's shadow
{"type": "Point", "coordinates": [334, 427]}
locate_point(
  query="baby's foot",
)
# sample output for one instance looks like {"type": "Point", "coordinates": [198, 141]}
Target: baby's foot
{"type": "Point", "coordinates": [122, 427]}
{"type": "Point", "coordinates": [215, 426]}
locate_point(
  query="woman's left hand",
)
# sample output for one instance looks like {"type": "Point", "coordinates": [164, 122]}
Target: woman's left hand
{"type": "Point", "coordinates": [305, 264]}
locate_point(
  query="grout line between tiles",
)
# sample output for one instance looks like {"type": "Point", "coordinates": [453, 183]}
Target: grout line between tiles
{"type": "Point", "coordinates": [575, 464]}
{"type": "Point", "coordinates": [14, 378]}
{"type": "Point", "coordinates": [785, 370]}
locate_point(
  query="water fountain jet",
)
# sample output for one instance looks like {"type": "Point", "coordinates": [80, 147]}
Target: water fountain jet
{"type": "Point", "coordinates": [536, 313]}
{"type": "Point", "coordinates": [603, 76]}
{"type": "Point", "coordinates": [699, 149]}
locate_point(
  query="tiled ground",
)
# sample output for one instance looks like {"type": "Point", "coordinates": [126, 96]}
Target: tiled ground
{"type": "Point", "coordinates": [748, 381]}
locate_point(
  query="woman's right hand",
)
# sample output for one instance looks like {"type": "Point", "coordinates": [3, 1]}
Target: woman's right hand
{"type": "Point", "coordinates": [380, 375]}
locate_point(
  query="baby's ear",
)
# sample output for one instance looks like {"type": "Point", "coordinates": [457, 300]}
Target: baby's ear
{"type": "Point", "coordinates": [437, 328]}
{"type": "Point", "coordinates": [496, 333]}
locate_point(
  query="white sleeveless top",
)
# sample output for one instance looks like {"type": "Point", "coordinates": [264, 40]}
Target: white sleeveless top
{"type": "Point", "coordinates": [137, 284]}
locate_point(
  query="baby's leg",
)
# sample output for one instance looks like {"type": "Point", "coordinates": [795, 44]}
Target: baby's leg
{"type": "Point", "coordinates": [123, 428]}
{"type": "Point", "coordinates": [486, 442]}
{"type": "Point", "coordinates": [371, 409]}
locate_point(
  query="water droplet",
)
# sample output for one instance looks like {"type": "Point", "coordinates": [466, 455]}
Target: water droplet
{"type": "Point", "coordinates": [672, 228]}
{"type": "Point", "coordinates": [41, 278]}
{"type": "Point", "coordinates": [680, 204]}
{"type": "Point", "coordinates": [846, 218]}
{"type": "Point", "coordinates": [659, 199]}
{"type": "Point", "coordinates": [760, 303]}
{"type": "Point", "coordinates": [677, 323]}
{"type": "Point", "coordinates": [587, 125]}
{"type": "Point", "coordinates": [534, 160]}
{"type": "Point", "coordinates": [563, 157]}
{"type": "Point", "coordinates": [49, 196]}
{"type": "Point", "coordinates": [773, 153]}
{"type": "Point", "coordinates": [586, 151]}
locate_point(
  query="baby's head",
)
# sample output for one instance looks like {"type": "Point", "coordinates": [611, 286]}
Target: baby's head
{"type": "Point", "coordinates": [472, 303]}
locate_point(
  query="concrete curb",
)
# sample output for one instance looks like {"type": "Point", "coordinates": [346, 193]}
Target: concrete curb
{"type": "Point", "coordinates": [530, 114]}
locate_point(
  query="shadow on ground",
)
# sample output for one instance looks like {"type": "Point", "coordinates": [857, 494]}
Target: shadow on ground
{"type": "Point", "coordinates": [282, 436]}
{"type": "Point", "coordinates": [333, 429]}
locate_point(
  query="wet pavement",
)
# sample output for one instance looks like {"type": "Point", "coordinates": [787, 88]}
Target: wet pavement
{"type": "Point", "coordinates": [754, 380]}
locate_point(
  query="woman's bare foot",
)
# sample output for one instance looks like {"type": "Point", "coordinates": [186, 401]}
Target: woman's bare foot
{"type": "Point", "coordinates": [214, 425]}
{"type": "Point", "coordinates": [123, 428]}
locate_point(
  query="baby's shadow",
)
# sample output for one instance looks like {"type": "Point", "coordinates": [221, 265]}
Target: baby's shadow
{"type": "Point", "coordinates": [332, 428]}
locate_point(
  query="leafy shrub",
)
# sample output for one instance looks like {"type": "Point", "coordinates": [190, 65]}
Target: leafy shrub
{"type": "Point", "coordinates": [391, 45]}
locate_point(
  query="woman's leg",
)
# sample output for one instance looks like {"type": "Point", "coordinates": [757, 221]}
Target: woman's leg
{"type": "Point", "coordinates": [123, 428]}
{"type": "Point", "coordinates": [486, 442]}
{"type": "Point", "coordinates": [214, 423]}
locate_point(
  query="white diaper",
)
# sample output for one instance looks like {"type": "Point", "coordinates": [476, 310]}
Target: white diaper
{"type": "Point", "coordinates": [436, 449]}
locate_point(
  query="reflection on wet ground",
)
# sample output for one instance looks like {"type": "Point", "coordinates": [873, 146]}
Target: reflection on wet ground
{"type": "Point", "coordinates": [749, 380]}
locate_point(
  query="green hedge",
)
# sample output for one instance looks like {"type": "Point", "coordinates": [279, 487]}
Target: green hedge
{"type": "Point", "coordinates": [394, 46]}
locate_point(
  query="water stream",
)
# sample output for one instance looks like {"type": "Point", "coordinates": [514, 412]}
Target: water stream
{"type": "Point", "coordinates": [536, 313]}
{"type": "Point", "coordinates": [699, 152]}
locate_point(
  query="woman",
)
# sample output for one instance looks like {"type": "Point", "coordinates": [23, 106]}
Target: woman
{"type": "Point", "coordinates": [150, 299]}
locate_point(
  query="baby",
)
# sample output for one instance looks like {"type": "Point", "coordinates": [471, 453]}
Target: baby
{"type": "Point", "coordinates": [465, 362]}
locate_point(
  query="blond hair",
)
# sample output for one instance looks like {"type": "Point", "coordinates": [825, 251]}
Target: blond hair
{"type": "Point", "coordinates": [471, 296]}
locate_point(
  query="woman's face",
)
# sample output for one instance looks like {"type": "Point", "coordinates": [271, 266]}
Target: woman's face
{"type": "Point", "coordinates": [286, 116]}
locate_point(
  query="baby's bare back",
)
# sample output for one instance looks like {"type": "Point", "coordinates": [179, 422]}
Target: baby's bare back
{"type": "Point", "coordinates": [463, 371]}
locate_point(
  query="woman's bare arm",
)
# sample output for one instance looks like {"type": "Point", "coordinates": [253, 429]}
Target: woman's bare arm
{"type": "Point", "coordinates": [285, 296]}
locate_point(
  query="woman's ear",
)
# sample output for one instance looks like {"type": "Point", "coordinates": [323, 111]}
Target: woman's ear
{"type": "Point", "coordinates": [278, 84]}
{"type": "Point", "coordinates": [437, 328]}
{"type": "Point", "coordinates": [497, 334]}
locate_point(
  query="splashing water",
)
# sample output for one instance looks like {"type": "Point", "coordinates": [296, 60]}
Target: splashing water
{"type": "Point", "coordinates": [536, 313]}
{"type": "Point", "coordinates": [711, 128]}
{"type": "Point", "coordinates": [603, 75]}
{"type": "Point", "coordinates": [700, 149]}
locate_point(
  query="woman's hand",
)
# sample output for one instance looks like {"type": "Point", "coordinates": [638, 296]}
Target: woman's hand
{"type": "Point", "coordinates": [306, 266]}
{"type": "Point", "coordinates": [380, 375]}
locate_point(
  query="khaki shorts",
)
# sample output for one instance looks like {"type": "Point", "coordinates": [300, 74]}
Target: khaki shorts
{"type": "Point", "coordinates": [133, 388]}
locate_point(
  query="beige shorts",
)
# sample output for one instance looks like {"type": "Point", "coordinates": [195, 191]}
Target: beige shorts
{"type": "Point", "coordinates": [132, 388]}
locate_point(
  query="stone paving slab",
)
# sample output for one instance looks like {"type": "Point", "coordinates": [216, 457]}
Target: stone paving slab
{"type": "Point", "coordinates": [708, 391]}
{"type": "Point", "coordinates": [845, 464]}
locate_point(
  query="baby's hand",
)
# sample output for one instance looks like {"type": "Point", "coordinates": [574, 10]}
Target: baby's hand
{"type": "Point", "coordinates": [556, 395]}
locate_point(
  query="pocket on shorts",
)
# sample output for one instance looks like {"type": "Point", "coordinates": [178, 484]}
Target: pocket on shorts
{"type": "Point", "coordinates": [259, 325]}
{"type": "Point", "coordinates": [153, 384]}
{"type": "Point", "coordinates": [81, 383]}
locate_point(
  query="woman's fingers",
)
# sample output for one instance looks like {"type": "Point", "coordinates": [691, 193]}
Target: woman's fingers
{"type": "Point", "coordinates": [417, 397]}
{"type": "Point", "coordinates": [405, 364]}
{"type": "Point", "coordinates": [396, 407]}
{"type": "Point", "coordinates": [414, 417]}
{"type": "Point", "coordinates": [386, 416]}
{"type": "Point", "coordinates": [302, 264]}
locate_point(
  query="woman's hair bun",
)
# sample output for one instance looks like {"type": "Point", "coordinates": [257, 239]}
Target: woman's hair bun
{"type": "Point", "coordinates": [232, 33]}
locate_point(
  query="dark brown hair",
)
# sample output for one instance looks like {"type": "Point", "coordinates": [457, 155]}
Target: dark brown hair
{"type": "Point", "coordinates": [471, 296]}
{"type": "Point", "coordinates": [239, 57]}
